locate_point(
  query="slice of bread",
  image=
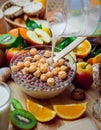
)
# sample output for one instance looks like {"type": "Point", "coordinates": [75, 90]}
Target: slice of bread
{"type": "Point", "coordinates": [13, 11]}
{"type": "Point", "coordinates": [35, 8]}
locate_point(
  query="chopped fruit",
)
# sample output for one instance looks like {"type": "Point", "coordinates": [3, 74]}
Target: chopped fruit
{"type": "Point", "coordinates": [41, 113]}
{"type": "Point", "coordinates": [70, 111]}
{"type": "Point", "coordinates": [6, 40]}
{"type": "Point", "coordinates": [38, 37]}
{"type": "Point", "coordinates": [47, 30]}
{"type": "Point", "coordinates": [33, 39]}
{"type": "Point", "coordinates": [15, 31]}
{"type": "Point", "coordinates": [95, 60]}
{"type": "Point", "coordinates": [23, 119]}
{"type": "Point", "coordinates": [43, 35]}
{"type": "Point", "coordinates": [82, 50]}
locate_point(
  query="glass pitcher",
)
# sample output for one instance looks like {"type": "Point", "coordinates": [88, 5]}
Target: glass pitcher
{"type": "Point", "coordinates": [83, 17]}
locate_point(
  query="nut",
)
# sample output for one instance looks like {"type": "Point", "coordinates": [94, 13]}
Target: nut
{"type": "Point", "coordinates": [78, 94]}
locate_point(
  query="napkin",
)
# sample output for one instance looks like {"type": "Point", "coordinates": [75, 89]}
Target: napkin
{"type": "Point", "coordinates": [81, 124]}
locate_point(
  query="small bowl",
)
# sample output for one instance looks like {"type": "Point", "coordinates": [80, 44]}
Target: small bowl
{"type": "Point", "coordinates": [40, 90]}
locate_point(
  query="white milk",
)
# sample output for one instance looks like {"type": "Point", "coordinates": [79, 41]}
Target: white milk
{"type": "Point", "coordinates": [4, 106]}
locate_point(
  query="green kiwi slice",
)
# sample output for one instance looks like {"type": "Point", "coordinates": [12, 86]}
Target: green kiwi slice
{"type": "Point", "coordinates": [6, 40]}
{"type": "Point", "coordinates": [23, 119]}
{"type": "Point", "coordinates": [15, 104]}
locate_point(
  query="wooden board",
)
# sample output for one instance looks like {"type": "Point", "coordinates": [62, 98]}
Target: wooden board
{"type": "Point", "coordinates": [63, 98]}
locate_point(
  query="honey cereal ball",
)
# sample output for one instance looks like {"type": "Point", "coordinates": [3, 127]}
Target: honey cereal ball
{"type": "Point", "coordinates": [55, 71]}
{"type": "Point", "coordinates": [33, 51]}
{"type": "Point", "coordinates": [49, 74]}
{"type": "Point", "coordinates": [43, 77]}
{"type": "Point", "coordinates": [37, 57]}
{"type": "Point", "coordinates": [32, 69]}
{"type": "Point", "coordinates": [43, 68]}
{"type": "Point", "coordinates": [43, 60]}
{"type": "Point", "coordinates": [55, 64]}
{"type": "Point", "coordinates": [14, 68]}
{"type": "Point", "coordinates": [28, 58]}
{"type": "Point", "coordinates": [20, 65]}
{"type": "Point", "coordinates": [47, 54]}
{"type": "Point", "coordinates": [61, 62]}
{"type": "Point", "coordinates": [39, 64]}
{"type": "Point", "coordinates": [37, 73]}
{"type": "Point", "coordinates": [62, 75]}
{"type": "Point", "coordinates": [50, 81]}
{"type": "Point", "coordinates": [63, 68]}
{"type": "Point", "coordinates": [25, 70]}
{"type": "Point", "coordinates": [27, 63]}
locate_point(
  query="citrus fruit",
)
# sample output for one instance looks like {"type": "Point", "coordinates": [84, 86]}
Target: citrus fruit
{"type": "Point", "coordinates": [70, 111]}
{"type": "Point", "coordinates": [41, 113]}
{"type": "Point", "coordinates": [95, 60]}
{"type": "Point", "coordinates": [47, 30]}
{"type": "Point", "coordinates": [22, 31]}
{"type": "Point", "coordinates": [82, 50]}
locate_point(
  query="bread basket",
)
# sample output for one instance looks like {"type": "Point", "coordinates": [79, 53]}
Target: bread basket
{"type": "Point", "coordinates": [10, 22]}
{"type": "Point", "coordinates": [14, 24]}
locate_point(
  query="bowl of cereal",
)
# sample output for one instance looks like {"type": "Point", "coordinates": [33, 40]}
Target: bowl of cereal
{"type": "Point", "coordinates": [39, 78]}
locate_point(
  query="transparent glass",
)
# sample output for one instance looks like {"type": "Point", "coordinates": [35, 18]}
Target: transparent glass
{"type": "Point", "coordinates": [5, 97]}
{"type": "Point", "coordinates": [81, 17]}
{"type": "Point", "coordinates": [40, 90]}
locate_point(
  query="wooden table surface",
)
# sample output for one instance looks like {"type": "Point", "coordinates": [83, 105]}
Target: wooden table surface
{"type": "Point", "coordinates": [64, 98]}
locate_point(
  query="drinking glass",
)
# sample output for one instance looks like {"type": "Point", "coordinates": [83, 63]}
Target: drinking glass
{"type": "Point", "coordinates": [5, 98]}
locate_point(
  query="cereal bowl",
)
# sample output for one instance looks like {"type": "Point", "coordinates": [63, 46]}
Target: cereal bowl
{"type": "Point", "coordinates": [37, 77]}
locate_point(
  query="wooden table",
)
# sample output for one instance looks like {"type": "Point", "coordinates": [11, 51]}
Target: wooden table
{"type": "Point", "coordinates": [64, 98]}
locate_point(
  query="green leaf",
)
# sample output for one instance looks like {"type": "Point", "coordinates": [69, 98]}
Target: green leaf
{"type": "Point", "coordinates": [65, 42]}
{"type": "Point", "coordinates": [31, 25]}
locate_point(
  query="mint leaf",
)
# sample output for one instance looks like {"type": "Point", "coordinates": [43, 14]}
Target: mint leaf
{"type": "Point", "coordinates": [31, 25]}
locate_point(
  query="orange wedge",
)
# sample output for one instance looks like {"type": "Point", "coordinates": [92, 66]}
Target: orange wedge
{"type": "Point", "coordinates": [71, 111]}
{"type": "Point", "coordinates": [82, 50]}
{"type": "Point", "coordinates": [41, 113]}
{"type": "Point", "coordinates": [15, 31]}
{"type": "Point", "coordinates": [95, 60]}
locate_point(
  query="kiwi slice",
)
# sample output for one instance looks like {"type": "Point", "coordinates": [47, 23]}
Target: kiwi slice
{"type": "Point", "coordinates": [15, 104]}
{"type": "Point", "coordinates": [23, 119]}
{"type": "Point", "coordinates": [6, 40]}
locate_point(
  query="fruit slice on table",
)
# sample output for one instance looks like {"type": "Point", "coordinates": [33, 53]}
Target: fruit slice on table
{"type": "Point", "coordinates": [15, 31]}
{"type": "Point", "coordinates": [22, 119]}
{"type": "Point", "coordinates": [95, 60]}
{"type": "Point", "coordinates": [71, 111]}
{"type": "Point", "coordinates": [82, 50]}
{"type": "Point", "coordinates": [15, 104]}
{"type": "Point", "coordinates": [41, 113]}
{"type": "Point", "coordinates": [47, 30]}
{"type": "Point", "coordinates": [71, 57]}
{"type": "Point", "coordinates": [6, 40]}
{"type": "Point", "coordinates": [43, 35]}
{"type": "Point", "coordinates": [38, 37]}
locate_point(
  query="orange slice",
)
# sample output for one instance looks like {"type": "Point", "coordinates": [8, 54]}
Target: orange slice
{"type": "Point", "coordinates": [14, 32]}
{"type": "Point", "coordinates": [82, 50]}
{"type": "Point", "coordinates": [71, 111]}
{"type": "Point", "coordinates": [42, 113]}
{"type": "Point", "coordinates": [95, 60]}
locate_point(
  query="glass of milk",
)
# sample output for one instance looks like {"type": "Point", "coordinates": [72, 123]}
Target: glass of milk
{"type": "Point", "coordinates": [5, 97]}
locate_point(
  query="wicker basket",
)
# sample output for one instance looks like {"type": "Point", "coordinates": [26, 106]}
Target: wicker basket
{"type": "Point", "coordinates": [10, 22]}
